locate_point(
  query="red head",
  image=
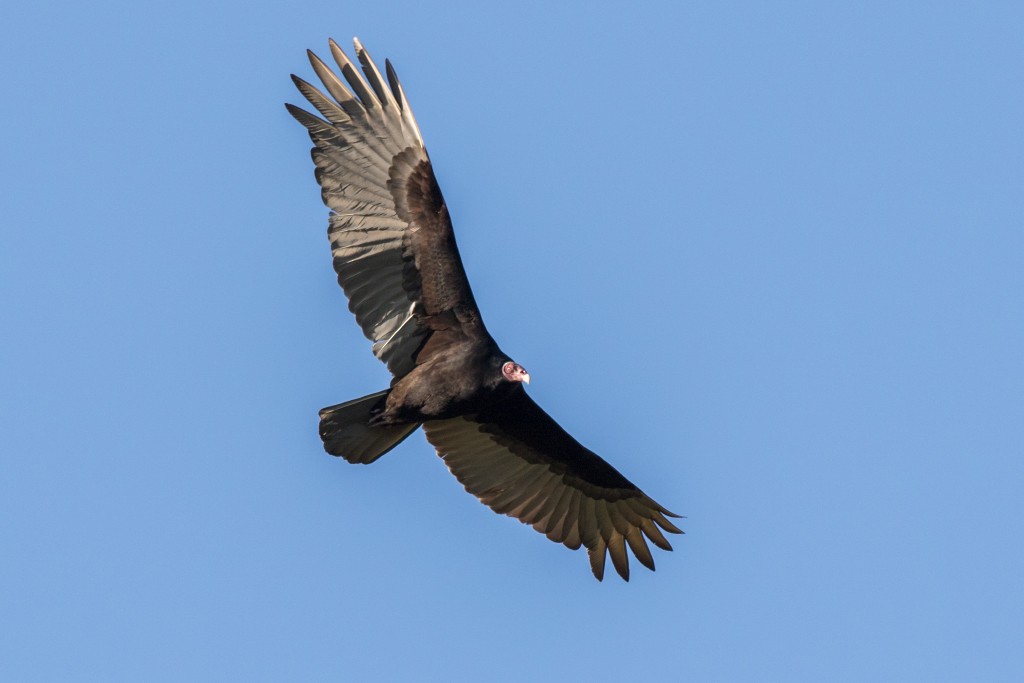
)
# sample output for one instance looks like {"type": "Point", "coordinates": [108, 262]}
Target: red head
{"type": "Point", "coordinates": [514, 372]}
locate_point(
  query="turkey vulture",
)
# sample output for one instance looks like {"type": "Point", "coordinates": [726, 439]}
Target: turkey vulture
{"type": "Point", "coordinates": [396, 258]}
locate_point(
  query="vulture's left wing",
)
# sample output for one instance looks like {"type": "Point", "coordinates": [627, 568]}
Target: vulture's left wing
{"type": "Point", "coordinates": [517, 460]}
{"type": "Point", "coordinates": [391, 235]}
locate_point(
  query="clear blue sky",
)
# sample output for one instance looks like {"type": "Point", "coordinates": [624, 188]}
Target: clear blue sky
{"type": "Point", "coordinates": [767, 260]}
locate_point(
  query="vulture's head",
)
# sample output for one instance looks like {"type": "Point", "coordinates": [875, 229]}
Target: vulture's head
{"type": "Point", "coordinates": [514, 372]}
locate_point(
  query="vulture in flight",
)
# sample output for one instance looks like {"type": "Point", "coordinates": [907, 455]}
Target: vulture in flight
{"type": "Point", "coordinates": [395, 256]}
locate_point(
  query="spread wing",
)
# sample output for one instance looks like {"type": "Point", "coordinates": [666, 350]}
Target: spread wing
{"type": "Point", "coordinates": [391, 236]}
{"type": "Point", "coordinates": [519, 462]}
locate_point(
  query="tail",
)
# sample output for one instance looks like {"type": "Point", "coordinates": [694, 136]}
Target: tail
{"type": "Point", "coordinates": [346, 431]}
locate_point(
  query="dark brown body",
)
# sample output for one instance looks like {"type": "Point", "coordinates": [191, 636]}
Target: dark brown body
{"type": "Point", "coordinates": [448, 384]}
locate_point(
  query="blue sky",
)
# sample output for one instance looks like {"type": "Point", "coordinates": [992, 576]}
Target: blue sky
{"type": "Point", "coordinates": [765, 258]}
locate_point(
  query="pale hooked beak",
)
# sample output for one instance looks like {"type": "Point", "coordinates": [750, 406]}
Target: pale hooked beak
{"type": "Point", "coordinates": [526, 377]}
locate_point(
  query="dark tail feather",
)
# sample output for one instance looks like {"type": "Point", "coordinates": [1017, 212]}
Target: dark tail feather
{"type": "Point", "coordinates": [346, 431]}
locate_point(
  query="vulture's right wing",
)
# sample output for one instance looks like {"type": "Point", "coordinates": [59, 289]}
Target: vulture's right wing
{"type": "Point", "coordinates": [517, 460]}
{"type": "Point", "coordinates": [394, 249]}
